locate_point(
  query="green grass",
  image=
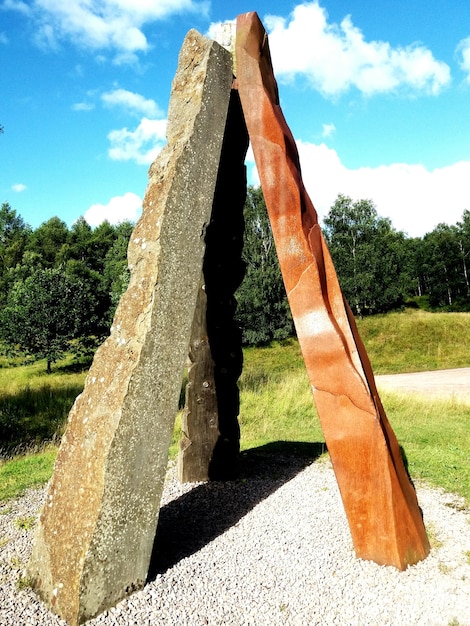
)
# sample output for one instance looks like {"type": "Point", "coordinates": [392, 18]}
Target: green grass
{"type": "Point", "coordinates": [34, 404]}
{"type": "Point", "coordinates": [412, 341]}
{"type": "Point", "coordinates": [33, 409]}
{"type": "Point", "coordinates": [435, 436]}
{"type": "Point", "coordinates": [25, 523]}
{"type": "Point", "coordinates": [276, 402]}
{"type": "Point", "coordinates": [416, 341]}
{"type": "Point", "coordinates": [23, 472]}
{"type": "Point", "coordinates": [280, 408]}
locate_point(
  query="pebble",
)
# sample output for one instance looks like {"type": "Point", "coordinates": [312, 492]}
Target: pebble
{"type": "Point", "coordinates": [272, 548]}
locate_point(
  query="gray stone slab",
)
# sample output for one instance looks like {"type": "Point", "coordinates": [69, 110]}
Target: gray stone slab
{"type": "Point", "coordinates": [94, 539]}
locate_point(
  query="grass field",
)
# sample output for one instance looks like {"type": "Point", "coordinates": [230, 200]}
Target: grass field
{"type": "Point", "coordinates": [416, 341]}
{"type": "Point", "coordinates": [276, 402]}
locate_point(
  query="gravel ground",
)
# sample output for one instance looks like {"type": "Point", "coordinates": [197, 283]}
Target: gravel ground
{"type": "Point", "coordinates": [272, 548]}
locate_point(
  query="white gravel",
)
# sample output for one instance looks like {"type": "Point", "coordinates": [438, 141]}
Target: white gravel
{"type": "Point", "coordinates": [270, 548]}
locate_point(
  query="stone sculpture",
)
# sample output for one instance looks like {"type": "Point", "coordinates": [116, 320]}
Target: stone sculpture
{"type": "Point", "coordinates": [379, 499]}
{"type": "Point", "coordinates": [210, 444]}
{"type": "Point", "coordinates": [95, 535]}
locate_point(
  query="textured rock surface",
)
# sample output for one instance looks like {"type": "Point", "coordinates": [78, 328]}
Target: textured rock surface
{"type": "Point", "coordinates": [223, 273]}
{"type": "Point", "coordinates": [96, 531]}
{"type": "Point", "coordinates": [216, 354]}
{"type": "Point", "coordinates": [380, 502]}
{"type": "Point", "coordinates": [199, 422]}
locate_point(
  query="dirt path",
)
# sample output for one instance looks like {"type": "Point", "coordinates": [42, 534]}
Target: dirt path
{"type": "Point", "coordinates": [453, 383]}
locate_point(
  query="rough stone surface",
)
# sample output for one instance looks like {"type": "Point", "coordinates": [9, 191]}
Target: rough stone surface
{"type": "Point", "coordinates": [94, 539]}
{"type": "Point", "coordinates": [223, 273]}
{"type": "Point", "coordinates": [379, 500]}
{"type": "Point", "coordinates": [200, 422]}
{"type": "Point", "coordinates": [211, 435]}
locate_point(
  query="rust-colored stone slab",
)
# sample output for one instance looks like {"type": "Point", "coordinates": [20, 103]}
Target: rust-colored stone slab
{"type": "Point", "coordinates": [379, 499]}
{"type": "Point", "coordinates": [95, 535]}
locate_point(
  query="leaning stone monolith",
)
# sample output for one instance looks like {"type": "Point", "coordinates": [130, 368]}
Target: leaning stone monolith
{"type": "Point", "coordinates": [210, 441]}
{"type": "Point", "coordinates": [95, 535]}
{"type": "Point", "coordinates": [379, 499]}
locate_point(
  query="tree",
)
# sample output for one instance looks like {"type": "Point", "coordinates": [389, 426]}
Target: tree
{"type": "Point", "coordinates": [55, 274]}
{"type": "Point", "coordinates": [77, 245]}
{"type": "Point", "coordinates": [263, 311]}
{"type": "Point", "coordinates": [442, 263]}
{"type": "Point", "coordinates": [369, 256]}
{"type": "Point", "coordinates": [102, 241]}
{"type": "Point", "coordinates": [14, 235]}
{"type": "Point", "coordinates": [414, 276]}
{"type": "Point", "coordinates": [116, 272]}
{"type": "Point", "coordinates": [93, 321]}
{"type": "Point", "coordinates": [463, 242]}
{"type": "Point", "coordinates": [44, 312]}
{"type": "Point", "coordinates": [48, 241]}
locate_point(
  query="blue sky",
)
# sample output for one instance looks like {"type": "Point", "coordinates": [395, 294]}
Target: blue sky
{"type": "Point", "coordinates": [377, 96]}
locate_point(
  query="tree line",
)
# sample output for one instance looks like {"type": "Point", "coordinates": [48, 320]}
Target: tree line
{"type": "Point", "coordinates": [379, 268]}
{"type": "Point", "coordinates": [59, 286]}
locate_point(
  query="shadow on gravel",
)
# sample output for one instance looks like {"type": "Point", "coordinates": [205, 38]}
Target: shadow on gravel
{"type": "Point", "coordinates": [194, 519]}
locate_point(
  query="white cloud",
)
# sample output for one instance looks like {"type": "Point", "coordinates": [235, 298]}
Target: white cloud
{"type": "Point", "coordinates": [328, 130]}
{"type": "Point", "coordinates": [463, 50]}
{"type": "Point", "coordinates": [252, 173]}
{"type": "Point", "coordinates": [224, 33]}
{"type": "Point", "coordinates": [98, 26]}
{"type": "Point", "coordinates": [3, 39]}
{"type": "Point", "coordinates": [140, 145]}
{"type": "Point", "coordinates": [17, 5]}
{"type": "Point", "coordinates": [19, 187]}
{"type": "Point", "coordinates": [144, 142]}
{"type": "Point", "coordinates": [101, 24]}
{"type": "Point", "coordinates": [336, 57]}
{"type": "Point", "coordinates": [118, 209]}
{"type": "Point", "coordinates": [132, 102]}
{"type": "Point", "coordinates": [83, 106]}
{"type": "Point", "coordinates": [414, 198]}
